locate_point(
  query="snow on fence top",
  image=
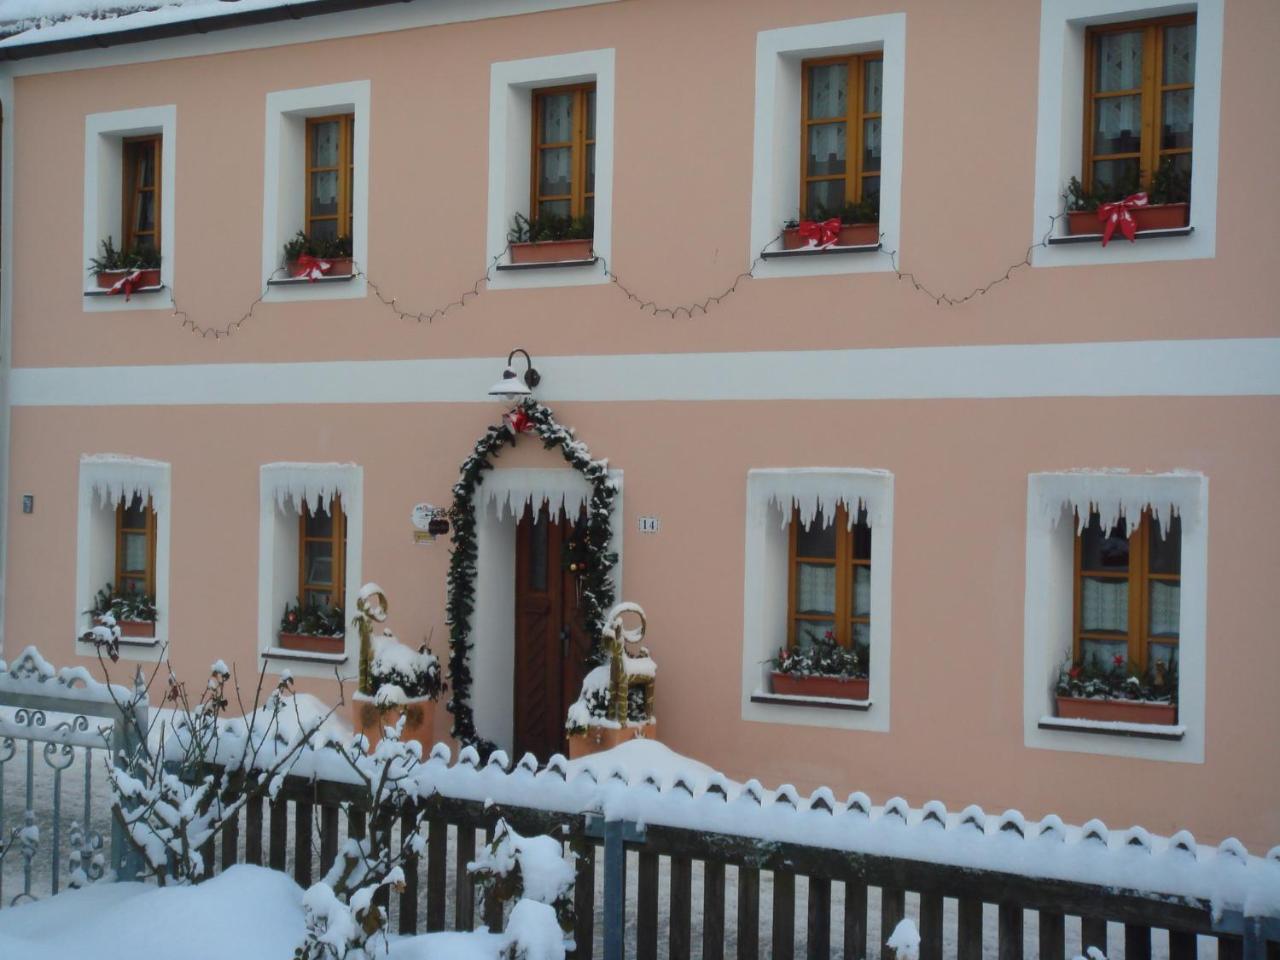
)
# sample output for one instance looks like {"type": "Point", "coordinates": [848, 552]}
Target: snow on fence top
{"type": "Point", "coordinates": [680, 793]}
{"type": "Point", "coordinates": [33, 675]}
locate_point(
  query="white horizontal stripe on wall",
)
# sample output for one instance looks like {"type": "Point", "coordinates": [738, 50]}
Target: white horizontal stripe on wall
{"type": "Point", "coordinates": [1169, 368]}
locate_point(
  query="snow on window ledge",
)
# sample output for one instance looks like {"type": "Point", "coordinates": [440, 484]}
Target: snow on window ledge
{"type": "Point", "coordinates": [771, 495]}
{"type": "Point", "coordinates": [279, 653]}
{"type": "Point", "coordinates": [1054, 502]}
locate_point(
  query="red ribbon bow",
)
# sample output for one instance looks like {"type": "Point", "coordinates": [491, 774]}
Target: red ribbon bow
{"type": "Point", "coordinates": [517, 421]}
{"type": "Point", "coordinates": [1117, 214]}
{"type": "Point", "coordinates": [820, 233]}
{"type": "Point", "coordinates": [313, 268]}
{"type": "Point", "coordinates": [127, 284]}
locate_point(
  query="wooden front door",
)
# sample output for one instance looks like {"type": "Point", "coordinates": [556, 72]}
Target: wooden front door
{"type": "Point", "coordinates": [551, 645]}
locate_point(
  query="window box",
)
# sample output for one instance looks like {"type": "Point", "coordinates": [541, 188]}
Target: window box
{"type": "Point", "coordinates": [109, 278]}
{"type": "Point", "coordinates": [551, 251]}
{"type": "Point", "coordinates": [338, 267]}
{"type": "Point", "coordinates": [1162, 216]}
{"type": "Point", "coordinates": [309, 643]}
{"type": "Point", "coordinates": [1117, 711]}
{"type": "Point", "coordinates": [851, 235]}
{"type": "Point", "coordinates": [138, 629]}
{"type": "Point", "coordinates": [832, 688]}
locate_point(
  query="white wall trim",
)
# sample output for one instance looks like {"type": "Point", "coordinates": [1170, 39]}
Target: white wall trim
{"type": "Point", "coordinates": [775, 171]}
{"type": "Point", "coordinates": [103, 172]}
{"type": "Point", "coordinates": [1047, 634]}
{"type": "Point", "coordinates": [279, 485]}
{"type": "Point", "coordinates": [1143, 368]}
{"type": "Point", "coordinates": [283, 188]}
{"type": "Point", "coordinates": [765, 585]}
{"type": "Point", "coordinates": [511, 84]}
{"type": "Point", "coordinates": [493, 622]}
{"type": "Point", "coordinates": [1060, 127]}
{"type": "Point", "coordinates": [6, 321]}
{"type": "Point", "coordinates": [104, 479]}
{"type": "Point", "coordinates": [355, 23]}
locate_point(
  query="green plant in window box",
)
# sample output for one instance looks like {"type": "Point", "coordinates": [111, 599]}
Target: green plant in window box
{"type": "Point", "coordinates": [1118, 691]}
{"type": "Point", "coordinates": [1168, 200]}
{"type": "Point", "coordinates": [113, 265]}
{"type": "Point", "coordinates": [823, 669]}
{"type": "Point", "coordinates": [336, 251]}
{"type": "Point", "coordinates": [859, 223]}
{"type": "Point", "coordinates": [312, 620]}
{"type": "Point", "coordinates": [550, 238]}
{"type": "Point", "coordinates": [132, 611]}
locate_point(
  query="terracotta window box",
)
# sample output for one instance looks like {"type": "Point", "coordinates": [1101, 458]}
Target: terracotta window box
{"type": "Point", "coordinates": [338, 266]}
{"type": "Point", "coordinates": [309, 643]}
{"type": "Point", "coordinates": [1117, 711]}
{"type": "Point", "coordinates": [1164, 216]}
{"type": "Point", "coordinates": [133, 628]}
{"type": "Point", "coordinates": [551, 251]}
{"type": "Point", "coordinates": [109, 278]}
{"type": "Point", "coordinates": [833, 688]}
{"type": "Point", "coordinates": [851, 235]}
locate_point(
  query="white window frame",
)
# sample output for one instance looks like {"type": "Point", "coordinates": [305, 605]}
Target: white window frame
{"type": "Point", "coordinates": [104, 479]}
{"type": "Point", "coordinates": [1052, 501]}
{"type": "Point", "coordinates": [771, 494]}
{"type": "Point", "coordinates": [1060, 129]}
{"type": "Point", "coordinates": [283, 487]}
{"type": "Point", "coordinates": [511, 87]}
{"type": "Point", "coordinates": [775, 172]}
{"type": "Point", "coordinates": [283, 192]}
{"type": "Point", "coordinates": [104, 135]}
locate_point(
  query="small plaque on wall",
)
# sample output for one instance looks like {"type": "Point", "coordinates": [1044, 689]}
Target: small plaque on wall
{"type": "Point", "coordinates": [648, 524]}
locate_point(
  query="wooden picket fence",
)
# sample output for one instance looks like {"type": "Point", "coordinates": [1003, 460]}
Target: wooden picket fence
{"type": "Point", "coordinates": [301, 831]}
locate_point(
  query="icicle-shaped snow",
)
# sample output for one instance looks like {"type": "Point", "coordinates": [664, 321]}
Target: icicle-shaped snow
{"type": "Point", "coordinates": [1116, 493]}
{"type": "Point", "coordinates": [293, 484]}
{"type": "Point", "coordinates": [814, 489]}
{"type": "Point", "coordinates": [116, 476]}
{"type": "Point", "coordinates": [514, 487]}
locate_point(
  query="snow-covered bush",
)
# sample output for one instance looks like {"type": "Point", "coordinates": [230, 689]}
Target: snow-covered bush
{"type": "Point", "coordinates": [528, 869]}
{"type": "Point", "coordinates": [350, 929]}
{"type": "Point", "coordinates": [415, 674]}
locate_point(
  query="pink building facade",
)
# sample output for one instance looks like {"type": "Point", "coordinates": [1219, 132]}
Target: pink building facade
{"type": "Point", "coordinates": [963, 443]}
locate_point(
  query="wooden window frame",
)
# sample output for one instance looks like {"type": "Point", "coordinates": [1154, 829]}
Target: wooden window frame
{"type": "Point", "coordinates": [149, 529]}
{"type": "Point", "coordinates": [1140, 577]}
{"type": "Point", "coordinates": [131, 148]}
{"type": "Point", "coordinates": [845, 562]}
{"type": "Point", "coordinates": [338, 539]}
{"type": "Point", "coordinates": [855, 119]}
{"type": "Point", "coordinates": [1150, 154]}
{"type": "Point", "coordinates": [578, 193]}
{"type": "Point", "coordinates": [345, 216]}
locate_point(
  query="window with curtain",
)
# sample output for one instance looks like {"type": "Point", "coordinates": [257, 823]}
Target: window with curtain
{"type": "Point", "coordinates": [135, 547]}
{"type": "Point", "coordinates": [564, 149]}
{"type": "Point", "coordinates": [830, 588]}
{"type": "Point", "coordinates": [330, 177]}
{"type": "Point", "coordinates": [140, 230]}
{"type": "Point", "coordinates": [1128, 596]}
{"type": "Point", "coordinates": [322, 538]}
{"type": "Point", "coordinates": [840, 133]}
{"type": "Point", "coordinates": [1138, 102]}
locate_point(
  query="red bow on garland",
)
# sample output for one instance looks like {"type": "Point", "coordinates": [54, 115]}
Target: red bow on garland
{"type": "Point", "coordinates": [517, 422]}
{"type": "Point", "coordinates": [820, 233]}
{"type": "Point", "coordinates": [127, 284]}
{"type": "Point", "coordinates": [313, 268]}
{"type": "Point", "coordinates": [1117, 214]}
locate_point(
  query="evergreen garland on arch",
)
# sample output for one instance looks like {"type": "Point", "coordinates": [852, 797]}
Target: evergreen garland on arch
{"type": "Point", "coordinates": [597, 587]}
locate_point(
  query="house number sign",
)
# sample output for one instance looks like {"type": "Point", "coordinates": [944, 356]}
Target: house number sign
{"type": "Point", "coordinates": [648, 524]}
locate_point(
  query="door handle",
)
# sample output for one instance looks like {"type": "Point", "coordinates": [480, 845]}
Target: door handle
{"type": "Point", "coordinates": [564, 642]}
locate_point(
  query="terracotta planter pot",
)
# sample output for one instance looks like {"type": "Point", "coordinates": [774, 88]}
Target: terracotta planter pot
{"type": "Point", "coordinates": [420, 721]}
{"type": "Point", "coordinates": [134, 628]}
{"type": "Point", "coordinates": [311, 644]}
{"type": "Point", "coordinates": [338, 266]}
{"type": "Point", "coordinates": [1164, 216]}
{"type": "Point", "coordinates": [836, 688]}
{"type": "Point", "coordinates": [551, 251]}
{"type": "Point", "coordinates": [599, 739]}
{"type": "Point", "coordinates": [1121, 711]}
{"type": "Point", "coordinates": [851, 235]}
{"type": "Point", "coordinates": [109, 278]}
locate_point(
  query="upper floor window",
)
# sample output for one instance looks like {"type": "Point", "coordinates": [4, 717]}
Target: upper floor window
{"type": "Point", "coordinates": [330, 178]}
{"type": "Point", "coordinates": [830, 587]}
{"type": "Point", "coordinates": [1140, 82]}
{"type": "Point", "coordinates": [1128, 598]}
{"type": "Point", "coordinates": [322, 538]}
{"type": "Point", "coordinates": [840, 136]}
{"type": "Point", "coordinates": [140, 230]}
{"type": "Point", "coordinates": [135, 547]}
{"type": "Point", "coordinates": [564, 147]}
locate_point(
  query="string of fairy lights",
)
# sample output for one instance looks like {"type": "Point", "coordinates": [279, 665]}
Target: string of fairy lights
{"type": "Point", "coordinates": [644, 304]}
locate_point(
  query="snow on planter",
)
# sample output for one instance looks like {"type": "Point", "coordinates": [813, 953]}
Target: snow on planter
{"type": "Point", "coordinates": [616, 702]}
